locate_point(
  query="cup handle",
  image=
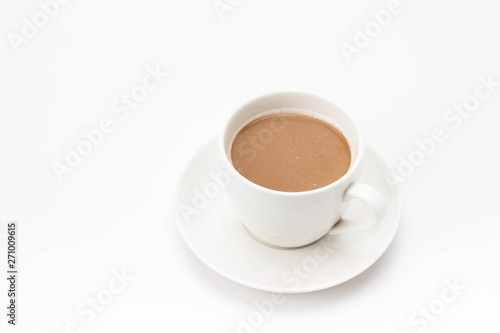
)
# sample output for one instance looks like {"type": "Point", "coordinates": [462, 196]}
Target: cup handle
{"type": "Point", "coordinates": [370, 197]}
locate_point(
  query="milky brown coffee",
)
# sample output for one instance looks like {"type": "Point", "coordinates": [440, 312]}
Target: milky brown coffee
{"type": "Point", "coordinates": [290, 152]}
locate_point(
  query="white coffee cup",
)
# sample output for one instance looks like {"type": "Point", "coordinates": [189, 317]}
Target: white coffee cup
{"type": "Point", "coordinates": [293, 219]}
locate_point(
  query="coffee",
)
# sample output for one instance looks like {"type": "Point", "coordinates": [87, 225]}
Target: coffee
{"type": "Point", "coordinates": [290, 152]}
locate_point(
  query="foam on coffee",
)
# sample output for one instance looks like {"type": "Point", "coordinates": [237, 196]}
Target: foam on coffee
{"type": "Point", "coordinates": [291, 152]}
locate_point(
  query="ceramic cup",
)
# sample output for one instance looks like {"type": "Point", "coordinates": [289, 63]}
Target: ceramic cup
{"type": "Point", "coordinates": [294, 219]}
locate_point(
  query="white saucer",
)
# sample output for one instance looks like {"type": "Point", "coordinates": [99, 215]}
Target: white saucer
{"type": "Point", "coordinates": [218, 239]}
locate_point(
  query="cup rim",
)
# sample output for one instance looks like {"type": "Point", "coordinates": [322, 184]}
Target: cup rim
{"type": "Point", "coordinates": [349, 172]}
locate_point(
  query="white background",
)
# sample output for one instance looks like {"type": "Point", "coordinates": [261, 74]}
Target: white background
{"type": "Point", "coordinates": [113, 211]}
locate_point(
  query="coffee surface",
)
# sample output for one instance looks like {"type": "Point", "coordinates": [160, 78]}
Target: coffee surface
{"type": "Point", "coordinates": [290, 152]}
